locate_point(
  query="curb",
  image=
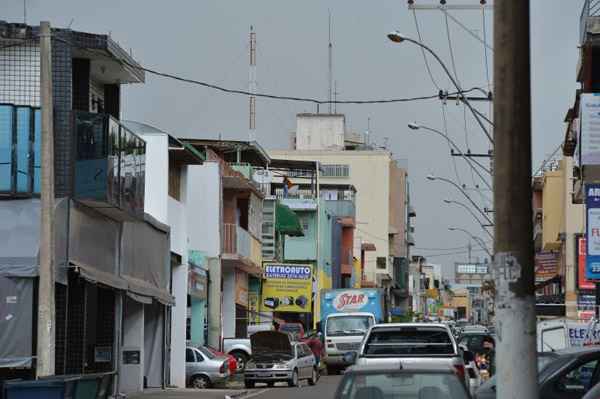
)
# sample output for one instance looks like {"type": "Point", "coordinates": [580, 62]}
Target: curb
{"type": "Point", "coordinates": [236, 395]}
{"type": "Point", "coordinates": [246, 394]}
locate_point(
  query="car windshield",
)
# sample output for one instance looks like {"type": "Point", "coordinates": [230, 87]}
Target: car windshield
{"type": "Point", "coordinates": [293, 328]}
{"type": "Point", "coordinates": [438, 385]}
{"type": "Point", "coordinates": [206, 352]}
{"type": "Point", "coordinates": [473, 341]}
{"type": "Point", "coordinates": [348, 325]}
{"type": "Point", "coordinates": [409, 341]}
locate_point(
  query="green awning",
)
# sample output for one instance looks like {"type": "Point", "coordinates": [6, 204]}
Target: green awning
{"type": "Point", "coordinates": [287, 222]}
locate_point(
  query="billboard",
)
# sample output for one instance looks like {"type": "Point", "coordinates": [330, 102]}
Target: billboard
{"type": "Point", "coordinates": [287, 288]}
{"type": "Point", "coordinates": [546, 265]}
{"type": "Point", "coordinates": [589, 128]}
{"type": "Point", "coordinates": [592, 206]}
{"type": "Point", "coordinates": [582, 281]}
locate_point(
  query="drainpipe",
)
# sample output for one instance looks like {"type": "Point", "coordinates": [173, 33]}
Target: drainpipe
{"type": "Point", "coordinates": [317, 300]}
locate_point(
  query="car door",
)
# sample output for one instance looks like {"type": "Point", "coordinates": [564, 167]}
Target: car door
{"type": "Point", "coordinates": [574, 381]}
{"type": "Point", "coordinates": [303, 361]}
{"type": "Point", "coordinates": [190, 362]}
{"type": "Point", "coordinates": [308, 359]}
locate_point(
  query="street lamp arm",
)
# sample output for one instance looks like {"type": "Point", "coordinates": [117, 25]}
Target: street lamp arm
{"type": "Point", "coordinates": [474, 216]}
{"type": "Point", "coordinates": [476, 239]}
{"type": "Point", "coordinates": [466, 196]}
{"type": "Point", "coordinates": [455, 83]}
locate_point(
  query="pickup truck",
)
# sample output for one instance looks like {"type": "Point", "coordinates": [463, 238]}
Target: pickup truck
{"type": "Point", "coordinates": [240, 348]}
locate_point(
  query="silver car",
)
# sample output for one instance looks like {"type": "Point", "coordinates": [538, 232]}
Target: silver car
{"type": "Point", "coordinates": [415, 344]}
{"type": "Point", "coordinates": [276, 359]}
{"type": "Point", "coordinates": [203, 369]}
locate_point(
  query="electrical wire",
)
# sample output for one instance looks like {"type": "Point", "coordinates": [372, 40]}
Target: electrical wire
{"type": "Point", "coordinates": [451, 49]}
{"type": "Point", "coordinates": [487, 68]}
{"type": "Point", "coordinates": [423, 51]}
{"type": "Point", "coordinates": [454, 253]}
{"type": "Point", "coordinates": [441, 249]}
{"type": "Point", "coordinates": [447, 142]}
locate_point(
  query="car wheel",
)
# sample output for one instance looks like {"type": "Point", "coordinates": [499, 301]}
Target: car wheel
{"type": "Point", "coordinates": [294, 381]}
{"type": "Point", "coordinates": [249, 384]}
{"type": "Point", "coordinates": [200, 382]}
{"type": "Point", "coordinates": [314, 377]}
{"type": "Point", "coordinates": [241, 359]}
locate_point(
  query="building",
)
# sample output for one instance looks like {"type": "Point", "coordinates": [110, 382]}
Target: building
{"type": "Point", "coordinates": [112, 291]}
{"type": "Point", "coordinates": [383, 235]}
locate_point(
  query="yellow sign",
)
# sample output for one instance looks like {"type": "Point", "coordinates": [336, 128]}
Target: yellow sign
{"type": "Point", "coordinates": [287, 288]}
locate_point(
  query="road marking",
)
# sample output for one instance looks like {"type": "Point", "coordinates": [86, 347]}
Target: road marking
{"type": "Point", "coordinates": [244, 394]}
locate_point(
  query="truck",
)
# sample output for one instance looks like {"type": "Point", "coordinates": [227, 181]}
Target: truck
{"type": "Point", "coordinates": [553, 335]}
{"type": "Point", "coordinates": [346, 316]}
{"type": "Point", "coordinates": [240, 348]}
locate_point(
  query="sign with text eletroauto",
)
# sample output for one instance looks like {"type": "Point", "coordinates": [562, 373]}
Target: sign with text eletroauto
{"type": "Point", "coordinates": [287, 288]}
{"type": "Point", "coordinates": [592, 204]}
{"type": "Point", "coordinates": [589, 120]}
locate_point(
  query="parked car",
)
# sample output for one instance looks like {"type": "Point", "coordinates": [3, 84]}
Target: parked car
{"type": "Point", "coordinates": [232, 361]}
{"type": "Point", "coordinates": [429, 382]}
{"type": "Point", "coordinates": [593, 393]}
{"type": "Point", "coordinates": [203, 369]}
{"type": "Point", "coordinates": [566, 374]}
{"type": "Point", "coordinates": [240, 348]}
{"type": "Point", "coordinates": [277, 359]}
{"type": "Point", "coordinates": [413, 343]}
{"type": "Point", "coordinates": [474, 340]}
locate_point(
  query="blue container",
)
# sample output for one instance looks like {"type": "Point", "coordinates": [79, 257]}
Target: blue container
{"type": "Point", "coordinates": [55, 388]}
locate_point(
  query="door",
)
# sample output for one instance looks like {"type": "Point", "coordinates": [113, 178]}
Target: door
{"type": "Point", "coordinates": [190, 362]}
{"type": "Point", "coordinates": [573, 382]}
{"type": "Point", "coordinates": [305, 360]}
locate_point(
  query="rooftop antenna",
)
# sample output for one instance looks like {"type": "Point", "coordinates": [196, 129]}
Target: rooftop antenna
{"type": "Point", "coordinates": [252, 87]}
{"type": "Point", "coordinates": [335, 93]}
{"type": "Point", "coordinates": [25, 12]}
{"type": "Point", "coordinates": [330, 77]}
{"type": "Point", "coordinates": [368, 132]}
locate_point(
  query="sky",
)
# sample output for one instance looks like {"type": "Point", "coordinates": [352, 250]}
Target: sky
{"type": "Point", "coordinates": [208, 40]}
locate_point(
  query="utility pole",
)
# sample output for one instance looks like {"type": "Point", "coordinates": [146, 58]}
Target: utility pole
{"type": "Point", "coordinates": [469, 248]}
{"type": "Point", "coordinates": [513, 259]}
{"type": "Point", "coordinates": [252, 87]}
{"type": "Point", "coordinates": [46, 311]}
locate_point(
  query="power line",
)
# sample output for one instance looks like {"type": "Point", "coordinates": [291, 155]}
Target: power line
{"type": "Point", "coordinates": [449, 146]}
{"type": "Point", "coordinates": [423, 51]}
{"type": "Point", "coordinates": [453, 253]}
{"type": "Point", "coordinates": [487, 68]}
{"type": "Point", "coordinates": [441, 249]}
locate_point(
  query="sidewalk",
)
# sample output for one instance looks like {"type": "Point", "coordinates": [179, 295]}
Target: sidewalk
{"type": "Point", "coordinates": [181, 393]}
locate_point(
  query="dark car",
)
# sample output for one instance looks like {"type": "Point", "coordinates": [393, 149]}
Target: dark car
{"type": "Point", "coordinates": [474, 340]}
{"type": "Point", "coordinates": [566, 374]}
{"type": "Point", "coordinates": [372, 382]}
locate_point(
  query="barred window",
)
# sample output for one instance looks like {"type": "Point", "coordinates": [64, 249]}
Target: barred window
{"type": "Point", "coordinates": [335, 170]}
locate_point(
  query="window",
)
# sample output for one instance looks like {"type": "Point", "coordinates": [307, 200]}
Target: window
{"type": "Point", "coordinates": [190, 357]}
{"type": "Point", "coordinates": [409, 341]}
{"type": "Point", "coordinates": [381, 262]}
{"type": "Point", "coordinates": [305, 225]}
{"type": "Point", "coordinates": [20, 150]}
{"type": "Point", "coordinates": [578, 379]}
{"type": "Point", "coordinates": [335, 170]}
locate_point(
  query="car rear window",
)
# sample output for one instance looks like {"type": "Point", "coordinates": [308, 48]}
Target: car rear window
{"type": "Point", "coordinates": [417, 341]}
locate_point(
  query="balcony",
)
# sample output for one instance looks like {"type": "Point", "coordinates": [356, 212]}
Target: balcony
{"type": "Point", "coordinates": [109, 167]}
{"type": "Point", "coordinates": [341, 208]}
{"type": "Point", "coordinates": [589, 21]}
{"type": "Point", "coordinates": [239, 245]}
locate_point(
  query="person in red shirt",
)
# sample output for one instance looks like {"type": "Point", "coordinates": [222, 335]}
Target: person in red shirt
{"type": "Point", "coordinates": [316, 346]}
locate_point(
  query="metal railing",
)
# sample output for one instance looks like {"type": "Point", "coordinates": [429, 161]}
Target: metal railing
{"type": "Point", "coordinates": [591, 8]}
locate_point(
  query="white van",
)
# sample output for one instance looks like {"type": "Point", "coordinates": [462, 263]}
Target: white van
{"type": "Point", "coordinates": [557, 334]}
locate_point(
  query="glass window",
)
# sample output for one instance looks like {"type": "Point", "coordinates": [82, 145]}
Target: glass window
{"type": "Point", "coordinates": [402, 385]}
{"type": "Point", "coordinates": [409, 341]}
{"type": "Point", "coordinates": [37, 151]}
{"type": "Point", "coordinates": [23, 149]}
{"type": "Point", "coordinates": [206, 352]}
{"type": "Point", "coordinates": [189, 356]}
{"type": "Point", "coordinates": [341, 326]}
{"type": "Point", "coordinates": [580, 378]}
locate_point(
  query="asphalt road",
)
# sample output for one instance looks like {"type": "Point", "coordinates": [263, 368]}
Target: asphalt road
{"type": "Point", "coordinates": [325, 389]}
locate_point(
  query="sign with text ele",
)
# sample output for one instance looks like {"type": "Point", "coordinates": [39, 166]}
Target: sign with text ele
{"type": "Point", "coordinates": [592, 205]}
{"type": "Point", "coordinates": [287, 288]}
{"type": "Point", "coordinates": [583, 282]}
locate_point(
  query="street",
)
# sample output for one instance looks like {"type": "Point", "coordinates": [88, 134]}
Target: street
{"type": "Point", "coordinates": [324, 389]}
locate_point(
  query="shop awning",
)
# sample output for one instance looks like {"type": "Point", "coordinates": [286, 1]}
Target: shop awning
{"type": "Point", "coordinates": [287, 221]}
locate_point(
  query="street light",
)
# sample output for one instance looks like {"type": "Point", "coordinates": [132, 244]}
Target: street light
{"type": "Point", "coordinates": [447, 201]}
{"type": "Point", "coordinates": [398, 37]}
{"type": "Point", "coordinates": [459, 188]}
{"type": "Point", "coordinates": [474, 238]}
{"type": "Point", "coordinates": [415, 126]}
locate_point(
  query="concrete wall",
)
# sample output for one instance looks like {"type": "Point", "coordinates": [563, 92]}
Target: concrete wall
{"type": "Point", "coordinates": [303, 248]}
{"type": "Point", "coordinates": [320, 132]}
{"type": "Point", "coordinates": [204, 196]}
{"type": "Point", "coordinates": [156, 188]}
{"type": "Point", "coordinates": [131, 378]}
{"type": "Point", "coordinates": [554, 208]}
{"type": "Point", "coordinates": [228, 304]}
{"type": "Point", "coordinates": [398, 211]}
{"type": "Point", "coordinates": [372, 197]}
{"type": "Point", "coordinates": [178, 325]}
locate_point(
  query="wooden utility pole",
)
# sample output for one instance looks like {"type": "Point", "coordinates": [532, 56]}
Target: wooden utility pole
{"type": "Point", "coordinates": [514, 256]}
{"type": "Point", "coordinates": [46, 310]}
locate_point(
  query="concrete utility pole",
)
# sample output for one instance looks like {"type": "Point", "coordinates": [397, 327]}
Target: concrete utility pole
{"type": "Point", "coordinates": [513, 260]}
{"type": "Point", "coordinates": [46, 310]}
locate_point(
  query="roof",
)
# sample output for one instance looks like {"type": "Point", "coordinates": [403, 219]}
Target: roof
{"type": "Point", "coordinates": [402, 367]}
{"type": "Point", "coordinates": [397, 325]}
{"type": "Point", "coordinates": [250, 151]}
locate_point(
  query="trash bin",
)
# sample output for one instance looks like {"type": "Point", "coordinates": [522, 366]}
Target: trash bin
{"type": "Point", "coordinates": [93, 386]}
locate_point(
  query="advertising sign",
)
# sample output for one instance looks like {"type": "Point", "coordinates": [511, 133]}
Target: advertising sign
{"type": "Point", "coordinates": [350, 301]}
{"type": "Point", "coordinates": [590, 128]}
{"type": "Point", "coordinates": [583, 282]}
{"type": "Point", "coordinates": [592, 205]}
{"type": "Point", "coordinates": [287, 288]}
{"type": "Point", "coordinates": [546, 265]}
{"type": "Point", "coordinates": [241, 288]}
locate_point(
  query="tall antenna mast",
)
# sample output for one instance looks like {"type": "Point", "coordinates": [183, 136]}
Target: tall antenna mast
{"type": "Point", "coordinates": [330, 77]}
{"type": "Point", "coordinates": [252, 87]}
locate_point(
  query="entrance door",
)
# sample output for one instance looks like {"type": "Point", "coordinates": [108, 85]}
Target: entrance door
{"type": "Point", "coordinates": [153, 344]}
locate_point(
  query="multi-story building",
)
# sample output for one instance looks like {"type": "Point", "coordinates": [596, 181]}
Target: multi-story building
{"type": "Point", "coordinates": [112, 291]}
{"type": "Point", "coordinates": [382, 209]}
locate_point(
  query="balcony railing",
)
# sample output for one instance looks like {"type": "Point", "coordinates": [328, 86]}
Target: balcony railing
{"type": "Point", "coordinates": [591, 8]}
{"type": "Point", "coordinates": [237, 241]}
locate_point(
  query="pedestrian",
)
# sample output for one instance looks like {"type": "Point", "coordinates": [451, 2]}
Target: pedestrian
{"type": "Point", "coordinates": [316, 346]}
{"type": "Point", "coordinates": [489, 353]}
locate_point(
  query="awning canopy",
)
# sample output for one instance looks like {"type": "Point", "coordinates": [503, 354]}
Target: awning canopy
{"type": "Point", "coordinates": [287, 221]}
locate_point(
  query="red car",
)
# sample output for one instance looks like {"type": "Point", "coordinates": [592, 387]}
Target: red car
{"type": "Point", "coordinates": [232, 361]}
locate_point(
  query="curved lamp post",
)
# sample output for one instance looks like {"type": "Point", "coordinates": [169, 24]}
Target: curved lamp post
{"type": "Point", "coordinates": [447, 201]}
{"type": "Point", "coordinates": [474, 238]}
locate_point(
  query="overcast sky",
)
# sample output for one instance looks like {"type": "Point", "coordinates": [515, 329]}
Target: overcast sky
{"type": "Point", "coordinates": [208, 40]}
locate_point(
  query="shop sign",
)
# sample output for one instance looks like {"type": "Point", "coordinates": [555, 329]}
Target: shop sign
{"type": "Point", "coordinates": [241, 288]}
{"type": "Point", "coordinates": [583, 282]}
{"type": "Point", "coordinates": [348, 301]}
{"type": "Point", "coordinates": [197, 282]}
{"type": "Point", "coordinates": [287, 288]}
{"type": "Point", "coordinates": [546, 265]}
{"type": "Point", "coordinates": [592, 260]}
{"type": "Point", "coordinates": [590, 128]}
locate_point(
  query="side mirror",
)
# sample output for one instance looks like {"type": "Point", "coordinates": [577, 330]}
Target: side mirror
{"type": "Point", "coordinates": [468, 357]}
{"type": "Point", "coordinates": [350, 357]}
